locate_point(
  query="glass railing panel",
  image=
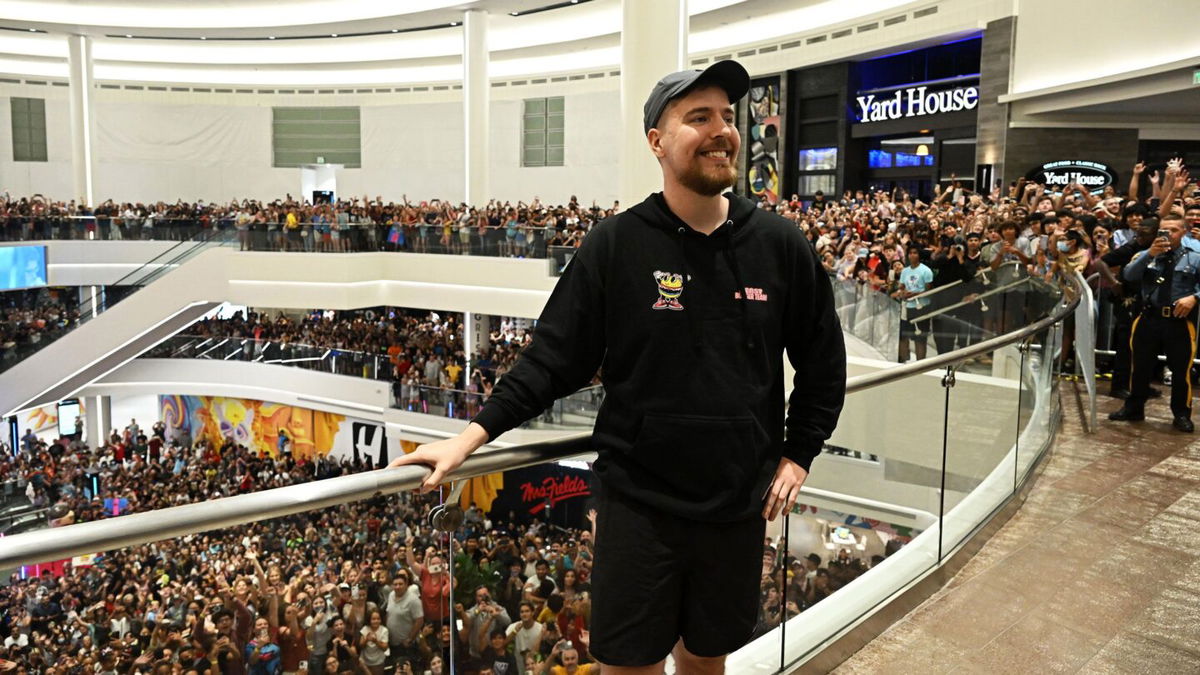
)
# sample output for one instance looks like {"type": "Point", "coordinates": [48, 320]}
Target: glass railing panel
{"type": "Point", "coordinates": [983, 424]}
{"type": "Point", "coordinates": [1036, 406]}
{"type": "Point", "coordinates": [866, 522]}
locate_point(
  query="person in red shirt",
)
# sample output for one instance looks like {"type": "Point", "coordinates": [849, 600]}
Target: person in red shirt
{"type": "Point", "coordinates": [434, 585]}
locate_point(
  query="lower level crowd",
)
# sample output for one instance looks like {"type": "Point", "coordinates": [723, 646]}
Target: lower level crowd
{"type": "Point", "coordinates": [359, 588]}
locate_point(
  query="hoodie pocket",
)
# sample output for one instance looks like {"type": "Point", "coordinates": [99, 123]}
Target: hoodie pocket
{"type": "Point", "coordinates": [698, 457]}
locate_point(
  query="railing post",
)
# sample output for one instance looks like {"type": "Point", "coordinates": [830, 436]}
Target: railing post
{"type": "Point", "coordinates": [947, 384]}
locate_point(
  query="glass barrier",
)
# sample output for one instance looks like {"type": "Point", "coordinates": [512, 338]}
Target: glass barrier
{"type": "Point", "coordinates": [879, 511]}
{"type": "Point", "coordinates": [898, 504]}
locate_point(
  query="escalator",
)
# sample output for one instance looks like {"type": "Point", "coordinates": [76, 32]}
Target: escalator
{"type": "Point", "coordinates": [170, 296]}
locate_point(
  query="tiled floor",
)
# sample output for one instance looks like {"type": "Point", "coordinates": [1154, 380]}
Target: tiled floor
{"type": "Point", "coordinates": [1098, 572]}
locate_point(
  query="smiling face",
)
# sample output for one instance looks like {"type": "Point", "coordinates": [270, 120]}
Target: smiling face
{"type": "Point", "coordinates": [696, 141]}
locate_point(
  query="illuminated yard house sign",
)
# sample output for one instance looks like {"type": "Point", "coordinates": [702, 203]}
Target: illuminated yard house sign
{"type": "Point", "coordinates": [915, 102]}
{"type": "Point", "coordinates": [1056, 175]}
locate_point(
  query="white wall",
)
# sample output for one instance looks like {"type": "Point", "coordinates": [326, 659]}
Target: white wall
{"type": "Point", "coordinates": [1060, 43]}
{"type": "Point", "coordinates": [593, 127]}
{"type": "Point", "coordinates": [141, 407]}
{"type": "Point", "coordinates": [166, 148]}
{"type": "Point", "coordinates": [52, 177]}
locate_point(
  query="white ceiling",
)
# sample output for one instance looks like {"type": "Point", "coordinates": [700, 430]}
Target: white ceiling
{"type": "Point", "coordinates": [166, 44]}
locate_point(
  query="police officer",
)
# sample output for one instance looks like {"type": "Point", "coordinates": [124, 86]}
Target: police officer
{"type": "Point", "coordinates": [1170, 279]}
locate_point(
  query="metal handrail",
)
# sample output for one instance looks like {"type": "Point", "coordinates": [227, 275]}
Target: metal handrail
{"type": "Point", "coordinates": [862, 382]}
{"type": "Point", "coordinates": [963, 303]}
{"type": "Point", "coordinates": [141, 528]}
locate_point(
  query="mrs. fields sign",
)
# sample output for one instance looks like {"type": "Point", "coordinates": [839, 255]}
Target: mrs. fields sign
{"type": "Point", "coordinates": [915, 102]}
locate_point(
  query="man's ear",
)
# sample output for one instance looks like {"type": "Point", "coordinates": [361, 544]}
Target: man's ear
{"type": "Point", "coordinates": [654, 139]}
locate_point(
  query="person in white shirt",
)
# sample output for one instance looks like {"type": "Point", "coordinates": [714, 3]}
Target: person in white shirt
{"type": "Point", "coordinates": [526, 633]}
{"type": "Point", "coordinates": [405, 617]}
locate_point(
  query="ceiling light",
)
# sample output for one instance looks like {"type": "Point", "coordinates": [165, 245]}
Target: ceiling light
{"type": "Point", "coordinates": [32, 30]}
{"type": "Point", "coordinates": [453, 23]}
{"type": "Point", "coordinates": [333, 35]}
{"type": "Point", "coordinates": [203, 37]}
{"type": "Point", "coordinates": [395, 30]}
{"type": "Point", "coordinates": [512, 13]}
{"type": "Point", "coordinates": [922, 150]}
{"type": "Point", "coordinates": [272, 37]}
{"type": "Point", "coordinates": [128, 36]}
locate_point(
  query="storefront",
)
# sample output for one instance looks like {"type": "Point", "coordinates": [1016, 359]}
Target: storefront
{"type": "Point", "coordinates": [903, 121]}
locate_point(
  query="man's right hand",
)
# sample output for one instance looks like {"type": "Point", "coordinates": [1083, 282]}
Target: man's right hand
{"type": "Point", "coordinates": [1160, 246]}
{"type": "Point", "coordinates": [444, 456]}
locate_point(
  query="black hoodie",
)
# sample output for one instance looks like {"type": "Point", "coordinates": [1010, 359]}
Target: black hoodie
{"type": "Point", "coordinates": [689, 330]}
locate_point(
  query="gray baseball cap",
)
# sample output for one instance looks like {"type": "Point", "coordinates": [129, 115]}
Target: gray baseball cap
{"type": "Point", "coordinates": [728, 74]}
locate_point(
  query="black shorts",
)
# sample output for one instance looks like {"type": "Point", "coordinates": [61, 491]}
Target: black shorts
{"type": "Point", "coordinates": [908, 329]}
{"type": "Point", "coordinates": [658, 578]}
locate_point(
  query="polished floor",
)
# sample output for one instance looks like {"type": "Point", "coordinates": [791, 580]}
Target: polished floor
{"type": "Point", "coordinates": [1098, 572]}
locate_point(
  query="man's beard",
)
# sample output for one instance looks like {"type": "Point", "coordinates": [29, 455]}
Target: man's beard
{"type": "Point", "coordinates": [708, 183]}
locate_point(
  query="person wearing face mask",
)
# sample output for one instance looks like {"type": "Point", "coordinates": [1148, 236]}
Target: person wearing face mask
{"type": "Point", "coordinates": [1070, 251]}
{"type": "Point", "coordinates": [1170, 283]}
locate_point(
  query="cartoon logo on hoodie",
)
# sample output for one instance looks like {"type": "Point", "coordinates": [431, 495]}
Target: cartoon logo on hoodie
{"type": "Point", "coordinates": [670, 286]}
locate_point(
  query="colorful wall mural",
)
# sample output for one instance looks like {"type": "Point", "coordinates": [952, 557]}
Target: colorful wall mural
{"type": "Point", "coordinates": [255, 424]}
{"type": "Point", "coordinates": [762, 146]}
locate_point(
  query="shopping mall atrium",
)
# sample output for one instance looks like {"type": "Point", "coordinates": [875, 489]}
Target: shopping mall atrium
{"type": "Point", "coordinates": [481, 337]}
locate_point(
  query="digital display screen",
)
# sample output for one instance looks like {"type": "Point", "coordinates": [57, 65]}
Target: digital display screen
{"type": "Point", "coordinates": [22, 267]}
{"type": "Point", "coordinates": [68, 410]}
{"type": "Point", "coordinates": [818, 159]}
{"type": "Point", "coordinates": [879, 159]}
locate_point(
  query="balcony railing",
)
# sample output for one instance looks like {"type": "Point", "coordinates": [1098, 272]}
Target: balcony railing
{"type": "Point", "coordinates": [957, 447]}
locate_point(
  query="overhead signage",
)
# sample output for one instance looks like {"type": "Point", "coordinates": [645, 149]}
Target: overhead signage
{"type": "Point", "coordinates": [916, 101]}
{"type": "Point", "coordinates": [1094, 176]}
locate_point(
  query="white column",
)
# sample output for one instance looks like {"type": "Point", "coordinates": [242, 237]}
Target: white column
{"type": "Point", "coordinates": [79, 61]}
{"type": "Point", "coordinates": [476, 93]}
{"type": "Point", "coordinates": [468, 346]}
{"type": "Point", "coordinates": [653, 44]}
{"type": "Point", "coordinates": [97, 420]}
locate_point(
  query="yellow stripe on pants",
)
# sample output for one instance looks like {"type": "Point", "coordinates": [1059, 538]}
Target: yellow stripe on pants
{"type": "Point", "coordinates": [1188, 372]}
{"type": "Point", "coordinates": [1132, 360]}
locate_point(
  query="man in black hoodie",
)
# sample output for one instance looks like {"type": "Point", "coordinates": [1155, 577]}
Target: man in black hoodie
{"type": "Point", "coordinates": [687, 302]}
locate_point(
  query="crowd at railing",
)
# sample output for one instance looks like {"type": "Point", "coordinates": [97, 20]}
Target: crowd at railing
{"type": "Point", "coordinates": [359, 588]}
{"type": "Point", "coordinates": [957, 269]}
{"type": "Point", "coordinates": [420, 353]}
{"type": "Point", "coordinates": [434, 226]}
{"type": "Point", "coordinates": [330, 588]}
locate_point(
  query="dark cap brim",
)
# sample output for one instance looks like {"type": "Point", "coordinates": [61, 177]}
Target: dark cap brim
{"type": "Point", "coordinates": [728, 75]}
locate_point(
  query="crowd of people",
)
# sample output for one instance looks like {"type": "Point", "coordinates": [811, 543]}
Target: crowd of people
{"type": "Point", "coordinates": [29, 318]}
{"type": "Point", "coordinates": [896, 244]}
{"type": "Point", "coordinates": [289, 224]}
{"type": "Point", "coordinates": [422, 353]}
{"type": "Point", "coordinates": [359, 588]}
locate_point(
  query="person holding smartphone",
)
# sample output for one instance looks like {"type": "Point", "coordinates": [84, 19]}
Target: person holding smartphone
{"type": "Point", "coordinates": [1170, 283]}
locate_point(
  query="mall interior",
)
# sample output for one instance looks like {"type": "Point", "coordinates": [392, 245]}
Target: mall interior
{"type": "Point", "coordinates": [252, 252]}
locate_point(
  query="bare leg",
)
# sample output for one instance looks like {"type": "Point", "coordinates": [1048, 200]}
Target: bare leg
{"type": "Point", "coordinates": [687, 663]}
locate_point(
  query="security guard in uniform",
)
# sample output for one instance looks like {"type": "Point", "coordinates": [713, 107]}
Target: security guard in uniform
{"type": "Point", "coordinates": [1170, 283]}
